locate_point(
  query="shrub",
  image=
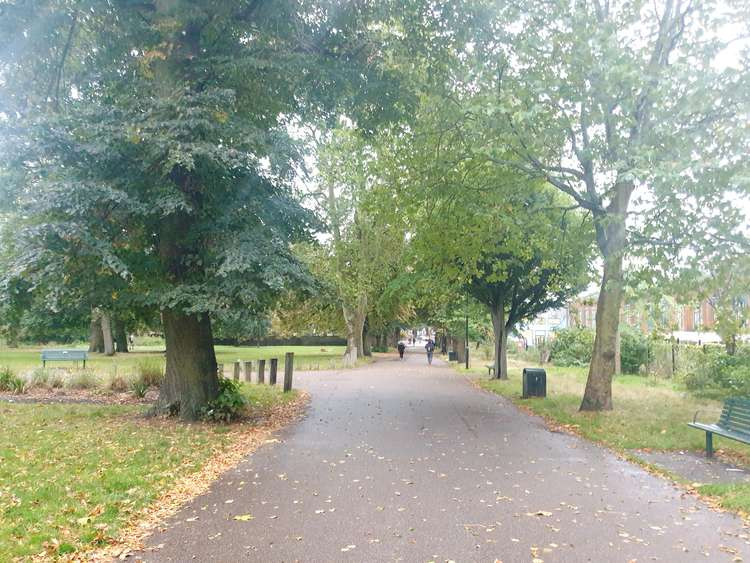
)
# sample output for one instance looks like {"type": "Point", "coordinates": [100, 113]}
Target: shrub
{"type": "Point", "coordinates": [380, 348]}
{"type": "Point", "coordinates": [118, 384]}
{"type": "Point", "coordinates": [139, 388]}
{"type": "Point", "coordinates": [56, 379]}
{"type": "Point", "coordinates": [39, 377]}
{"type": "Point", "coordinates": [634, 351]}
{"type": "Point", "coordinates": [83, 380]}
{"type": "Point", "coordinates": [572, 347]}
{"type": "Point", "coordinates": [228, 406]}
{"type": "Point", "coordinates": [9, 381]}
{"type": "Point", "coordinates": [151, 372]}
{"type": "Point", "coordinates": [720, 374]}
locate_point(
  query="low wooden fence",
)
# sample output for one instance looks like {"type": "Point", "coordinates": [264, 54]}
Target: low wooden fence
{"type": "Point", "coordinates": [244, 371]}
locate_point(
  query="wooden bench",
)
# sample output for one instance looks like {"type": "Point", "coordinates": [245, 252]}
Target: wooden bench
{"type": "Point", "coordinates": [734, 423]}
{"type": "Point", "coordinates": [64, 356]}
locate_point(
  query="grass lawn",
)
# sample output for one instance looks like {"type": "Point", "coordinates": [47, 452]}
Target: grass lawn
{"type": "Point", "coordinates": [72, 475]}
{"type": "Point", "coordinates": [305, 357]}
{"type": "Point", "coordinates": [648, 414]}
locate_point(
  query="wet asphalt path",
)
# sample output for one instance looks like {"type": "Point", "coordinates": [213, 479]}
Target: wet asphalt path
{"type": "Point", "coordinates": [396, 461]}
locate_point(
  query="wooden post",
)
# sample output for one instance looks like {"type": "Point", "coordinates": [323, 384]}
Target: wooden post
{"type": "Point", "coordinates": [220, 370]}
{"type": "Point", "coordinates": [274, 369]}
{"type": "Point", "coordinates": [288, 371]}
{"type": "Point", "coordinates": [236, 373]}
{"type": "Point", "coordinates": [248, 368]}
{"type": "Point", "coordinates": [261, 371]}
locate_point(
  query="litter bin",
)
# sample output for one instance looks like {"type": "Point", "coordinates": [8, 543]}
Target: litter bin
{"type": "Point", "coordinates": [452, 357]}
{"type": "Point", "coordinates": [534, 382]}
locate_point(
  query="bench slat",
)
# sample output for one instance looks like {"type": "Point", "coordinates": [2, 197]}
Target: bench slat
{"type": "Point", "coordinates": [719, 431]}
{"type": "Point", "coordinates": [734, 418]}
{"type": "Point", "coordinates": [64, 355]}
{"type": "Point", "coordinates": [736, 427]}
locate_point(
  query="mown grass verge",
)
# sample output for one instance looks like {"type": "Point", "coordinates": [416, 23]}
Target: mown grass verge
{"type": "Point", "coordinates": [72, 475]}
{"type": "Point", "coordinates": [649, 414]}
{"type": "Point", "coordinates": [305, 357]}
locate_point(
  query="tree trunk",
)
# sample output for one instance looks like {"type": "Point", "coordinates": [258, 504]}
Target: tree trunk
{"type": "Point", "coordinates": [121, 336]}
{"type": "Point", "coordinates": [191, 380]}
{"type": "Point", "coordinates": [459, 347]}
{"type": "Point", "coordinates": [598, 394]}
{"type": "Point", "coordinates": [109, 343]}
{"type": "Point", "coordinates": [354, 318]}
{"type": "Point", "coordinates": [366, 348]}
{"type": "Point", "coordinates": [96, 337]}
{"type": "Point", "coordinates": [618, 351]}
{"type": "Point", "coordinates": [392, 339]}
{"type": "Point", "coordinates": [500, 333]}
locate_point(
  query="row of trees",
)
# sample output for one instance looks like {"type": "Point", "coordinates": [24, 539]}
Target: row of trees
{"type": "Point", "coordinates": [153, 151]}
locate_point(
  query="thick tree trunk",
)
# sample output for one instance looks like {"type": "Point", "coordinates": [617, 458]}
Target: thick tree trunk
{"type": "Point", "coordinates": [459, 347]}
{"type": "Point", "coordinates": [618, 351]}
{"type": "Point", "coordinates": [121, 336]}
{"type": "Point", "coordinates": [500, 333]}
{"type": "Point", "coordinates": [96, 338]}
{"type": "Point", "coordinates": [190, 380]}
{"type": "Point", "coordinates": [354, 318]}
{"type": "Point", "coordinates": [598, 394]}
{"type": "Point", "coordinates": [366, 348]}
{"type": "Point", "coordinates": [109, 343]}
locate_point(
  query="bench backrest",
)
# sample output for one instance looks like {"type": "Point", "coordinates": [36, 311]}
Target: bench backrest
{"type": "Point", "coordinates": [736, 415]}
{"type": "Point", "coordinates": [51, 355]}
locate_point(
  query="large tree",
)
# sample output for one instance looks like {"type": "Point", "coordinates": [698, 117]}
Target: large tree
{"type": "Point", "coordinates": [153, 136]}
{"type": "Point", "coordinates": [626, 108]}
{"type": "Point", "coordinates": [366, 248]}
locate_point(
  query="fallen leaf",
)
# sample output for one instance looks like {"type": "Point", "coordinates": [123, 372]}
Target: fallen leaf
{"type": "Point", "coordinates": [244, 517]}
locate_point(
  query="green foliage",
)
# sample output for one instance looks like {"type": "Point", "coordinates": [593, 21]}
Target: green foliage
{"type": "Point", "coordinates": [9, 381]}
{"type": "Point", "coordinates": [634, 350]}
{"type": "Point", "coordinates": [721, 374]}
{"type": "Point", "coordinates": [572, 347]}
{"type": "Point", "coordinates": [175, 119]}
{"type": "Point", "coordinates": [229, 405]}
{"type": "Point", "coordinates": [139, 388]}
{"type": "Point", "coordinates": [240, 326]}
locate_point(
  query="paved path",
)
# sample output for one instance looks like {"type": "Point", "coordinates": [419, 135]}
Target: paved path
{"type": "Point", "coordinates": [400, 462]}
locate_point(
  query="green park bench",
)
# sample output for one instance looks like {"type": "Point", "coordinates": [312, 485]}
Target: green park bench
{"type": "Point", "coordinates": [734, 423]}
{"type": "Point", "coordinates": [64, 356]}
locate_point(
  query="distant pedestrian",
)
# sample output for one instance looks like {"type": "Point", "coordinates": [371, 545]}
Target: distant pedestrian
{"type": "Point", "coordinates": [401, 347]}
{"type": "Point", "coordinates": [430, 347]}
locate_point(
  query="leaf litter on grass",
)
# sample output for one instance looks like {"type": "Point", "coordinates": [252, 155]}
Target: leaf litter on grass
{"type": "Point", "coordinates": [244, 439]}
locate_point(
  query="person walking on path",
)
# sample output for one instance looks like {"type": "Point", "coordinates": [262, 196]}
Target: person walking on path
{"type": "Point", "coordinates": [401, 347]}
{"type": "Point", "coordinates": [430, 347]}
